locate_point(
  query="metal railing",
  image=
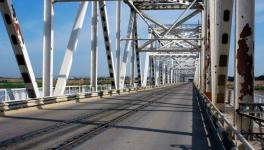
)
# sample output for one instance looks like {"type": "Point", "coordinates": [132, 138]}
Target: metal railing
{"type": "Point", "coordinates": [16, 94]}
{"type": "Point", "coordinates": [230, 97]}
{"type": "Point", "coordinates": [258, 98]}
{"type": "Point", "coordinates": [221, 124]}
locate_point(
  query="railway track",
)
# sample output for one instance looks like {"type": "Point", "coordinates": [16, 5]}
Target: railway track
{"type": "Point", "coordinates": [101, 127]}
{"type": "Point", "coordinates": [84, 127]}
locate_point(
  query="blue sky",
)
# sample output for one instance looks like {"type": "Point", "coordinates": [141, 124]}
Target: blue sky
{"type": "Point", "coordinates": [30, 15]}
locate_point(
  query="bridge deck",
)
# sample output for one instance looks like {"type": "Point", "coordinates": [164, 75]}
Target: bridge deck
{"type": "Point", "coordinates": [170, 120]}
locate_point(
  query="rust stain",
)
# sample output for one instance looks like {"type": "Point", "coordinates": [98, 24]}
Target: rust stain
{"type": "Point", "coordinates": [209, 34]}
{"type": "Point", "coordinates": [209, 95]}
{"type": "Point", "coordinates": [208, 60]}
{"type": "Point", "coordinates": [245, 62]}
{"type": "Point", "coordinates": [18, 30]}
{"type": "Point", "coordinates": [17, 26]}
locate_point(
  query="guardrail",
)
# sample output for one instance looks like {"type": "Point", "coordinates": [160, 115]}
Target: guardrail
{"type": "Point", "coordinates": [258, 98]}
{"type": "Point", "coordinates": [220, 124]}
{"type": "Point", "coordinates": [17, 94]}
{"type": "Point", "coordinates": [75, 95]}
{"type": "Point", "coordinates": [230, 97]}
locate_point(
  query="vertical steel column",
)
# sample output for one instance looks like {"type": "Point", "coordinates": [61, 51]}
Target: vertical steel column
{"type": "Point", "coordinates": [19, 47]}
{"type": "Point", "coordinates": [118, 46]}
{"type": "Point", "coordinates": [106, 32]}
{"type": "Point", "coordinates": [171, 76]}
{"type": "Point", "coordinates": [126, 50]}
{"type": "Point", "coordinates": [212, 45]}
{"type": "Point", "coordinates": [132, 61]}
{"type": "Point", "coordinates": [152, 71]}
{"type": "Point", "coordinates": [156, 64]}
{"type": "Point", "coordinates": [94, 46]}
{"type": "Point", "coordinates": [161, 73]}
{"type": "Point", "coordinates": [203, 46]}
{"type": "Point", "coordinates": [146, 70]}
{"type": "Point", "coordinates": [175, 72]}
{"type": "Point", "coordinates": [71, 47]}
{"type": "Point", "coordinates": [149, 72]}
{"type": "Point", "coordinates": [224, 8]}
{"type": "Point", "coordinates": [244, 71]}
{"type": "Point", "coordinates": [164, 74]}
{"type": "Point", "coordinates": [48, 38]}
{"type": "Point", "coordinates": [137, 52]}
{"type": "Point", "coordinates": [198, 71]}
{"type": "Point", "coordinates": [147, 63]}
{"type": "Point", "coordinates": [215, 52]}
{"type": "Point", "coordinates": [176, 78]}
{"type": "Point", "coordinates": [196, 76]}
{"type": "Point", "coordinates": [168, 72]}
{"type": "Point", "coordinates": [208, 87]}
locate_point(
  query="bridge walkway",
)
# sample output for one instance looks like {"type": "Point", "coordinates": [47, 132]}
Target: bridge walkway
{"type": "Point", "coordinates": [168, 118]}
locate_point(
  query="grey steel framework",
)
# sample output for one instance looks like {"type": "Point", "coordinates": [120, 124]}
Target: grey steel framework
{"type": "Point", "coordinates": [176, 52]}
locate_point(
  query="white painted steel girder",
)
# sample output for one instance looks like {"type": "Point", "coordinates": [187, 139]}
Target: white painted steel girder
{"type": "Point", "coordinates": [146, 70]}
{"type": "Point", "coordinates": [138, 62]}
{"type": "Point", "coordinates": [19, 47]}
{"type": "Point", "coordinates": [212, 43]}
{"type": "Point", "coordinates": [48, 48]}
{"type": "Point", "coordinates": [94, 46]}
{"type": "Point", "coordinates": [108, 48]}
{"type": "Point", "coordinates": [224, 9]}
{"type": "Point", "coordinates": [132, 63]}
{"type": "Point", "coordinates": [72, 44]}
{"type": "Point", "coordinates": [118, 44]}
{"type": "Point", "coordinates": [126, 49]}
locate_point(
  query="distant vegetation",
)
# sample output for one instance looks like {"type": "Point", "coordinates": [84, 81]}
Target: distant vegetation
{"type": "Point", "coordinates": [18, 82]}
{"type": "Point", "coordinates": [11, 85]}
{"type": "Point", "coordinates": [259, 78]}
{"type": "Point", "coordinates": [259, 88]}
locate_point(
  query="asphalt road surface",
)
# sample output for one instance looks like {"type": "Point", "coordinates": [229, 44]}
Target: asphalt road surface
{"type": "Point", "coordinates": [166, 118]}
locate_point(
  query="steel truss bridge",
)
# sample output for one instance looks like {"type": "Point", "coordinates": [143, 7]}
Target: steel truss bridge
{"type": "Point", "coordinates": [174, 54]}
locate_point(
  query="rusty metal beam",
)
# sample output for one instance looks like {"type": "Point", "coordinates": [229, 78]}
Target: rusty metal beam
{"type": "Point", "coordinates": [244, 64]}
{"type": "Point", "coordinates": [203, 46]}
{"type": "Point", "coordinates": [208, 88]}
